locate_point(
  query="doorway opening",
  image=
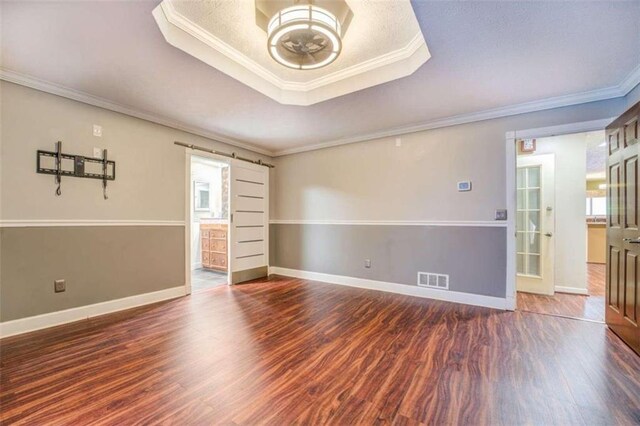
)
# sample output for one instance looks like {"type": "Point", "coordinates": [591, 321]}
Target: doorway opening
{"type": "Point", "coordinates": [560, 248]}
{"type": "Point", "coordinates": [209, 219]}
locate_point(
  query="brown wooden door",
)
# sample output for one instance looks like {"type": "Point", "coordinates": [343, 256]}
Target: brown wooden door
{"type": "Point", "coordinates": [623, 236]}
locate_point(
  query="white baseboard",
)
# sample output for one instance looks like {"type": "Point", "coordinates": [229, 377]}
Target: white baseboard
{"type": "Point", "coordinates": [408, 290]}
{"type": "Point", "coordinates": [38, 322]}
{"type": "Point", "coordinates": [571, 290]}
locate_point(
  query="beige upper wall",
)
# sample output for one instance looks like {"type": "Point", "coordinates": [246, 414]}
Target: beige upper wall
{"type": "Point", "coordinates": [375, 180]}
{"type": "Point", "coordinates": [150, 169]}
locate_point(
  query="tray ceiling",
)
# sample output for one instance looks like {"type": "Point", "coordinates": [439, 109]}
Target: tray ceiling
{"type": "Point", "coordinates": [490, 59]}
{"type": "Point", "coordinates": [383, 43]}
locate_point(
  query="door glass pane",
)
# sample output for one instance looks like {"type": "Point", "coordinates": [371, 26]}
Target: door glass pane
{"type": "Point", "coordinates": [534, 199]}
{"type": "Point", "coordinates": [533, 221]}
{"type": "Point", "coordinates": [533, 265]}
{"type": "Point", "coordinates": [533, 243]}
{"type": "Point", "coordinates": [528, 221]}
{"type": "Point", "coordinates": [534, 177]}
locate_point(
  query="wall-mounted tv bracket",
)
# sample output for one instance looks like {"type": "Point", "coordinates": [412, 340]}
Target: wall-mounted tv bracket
{"type": "Point", "coordinates": [79, 162]}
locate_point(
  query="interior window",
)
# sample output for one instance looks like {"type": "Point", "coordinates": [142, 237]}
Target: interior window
{"type": "Point", "coordinates": [596, 206]}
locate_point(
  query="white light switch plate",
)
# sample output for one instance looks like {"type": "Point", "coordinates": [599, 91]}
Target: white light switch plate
{"type": "Point", "coordinates": [97, 152]}
{"type": "Point", "coordinates": [97, 130]}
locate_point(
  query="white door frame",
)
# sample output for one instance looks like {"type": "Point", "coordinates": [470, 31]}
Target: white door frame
{"type": "Point", "coordinates": [188, 211]}
{"type": "Point", "coordinates": [511, 165]}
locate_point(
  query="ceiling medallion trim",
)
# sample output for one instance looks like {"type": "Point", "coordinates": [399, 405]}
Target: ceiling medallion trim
{"type": "Point", "coordinates": [391, 66]}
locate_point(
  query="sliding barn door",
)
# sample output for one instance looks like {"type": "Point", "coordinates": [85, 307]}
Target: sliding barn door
{"type": "Point", "coordinates": [623, 236]}
{"type": "Point", "coordinates": [249, 221]}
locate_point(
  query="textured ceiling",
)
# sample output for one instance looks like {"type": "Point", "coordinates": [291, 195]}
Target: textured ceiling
{"type": "Point", "coordinates": [596, 154]}
{"type": "Point", "coordinates": [234, 22]}
{"type": "Point", "coordinates": [484, 55]}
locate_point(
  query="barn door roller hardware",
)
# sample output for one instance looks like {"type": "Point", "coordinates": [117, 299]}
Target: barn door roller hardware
{"type": "Point", "coordinates": [75, 166]}
{"type": "Point", "coordinates": [224, 154]}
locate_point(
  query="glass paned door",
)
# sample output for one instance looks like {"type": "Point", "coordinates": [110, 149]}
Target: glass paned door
{"type": "Point", "coordinates": [528, 221]}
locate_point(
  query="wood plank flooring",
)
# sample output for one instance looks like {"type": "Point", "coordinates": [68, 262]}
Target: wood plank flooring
{"type": "Point", "coordinates": [288, 351]}
{"type": "Point", "coordinates": [589, 307]}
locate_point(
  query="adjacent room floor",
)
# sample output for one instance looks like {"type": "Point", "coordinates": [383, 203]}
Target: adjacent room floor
{"type": "Point", "coordinates": [203, 279]}
{"type": "Point", "coordinates": [589, 307]}
{"type": "Point", "coordinates": [284, 351]}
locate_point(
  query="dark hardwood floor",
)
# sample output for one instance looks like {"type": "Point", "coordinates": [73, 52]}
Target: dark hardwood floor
{"type": "Point", "coordinates": [589, 307]}
{"type": "Point", "coordinates": [288, 351]}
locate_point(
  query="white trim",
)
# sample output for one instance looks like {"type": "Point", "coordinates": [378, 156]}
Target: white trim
{"type": "Point", "coordinates": [596, 95]}
{"type": "Point", "coordinates": [408, 290]}
{"type": "Point", "coordinates": [511, 163]}
{"type": "Point", "coordinates": [44, 223]}
{"type": "Point", "coordinates": [541, 105]}
{"type": "Point", "coordinates": [191, 38]}
{"type": "Point", "coordinates": [563, 129]}
{"type": "Point", "coordinates": [571, 290]}
{"type": "Point", "coordinates": [473, 223]}
{"type": "Point", "coordinates": [511, 166]}
{"type": "Point", "coordinates": [76, 95]}
{"type": "Point", "coordinates": [388, 58]}
{"type": "Point", "coordinates": [631, 81]}
{"type": "Point", "coordinates": [188, 202]}
{"type": "Point", "coordinates": [189, 220]}
{"type": "Point", "coordinates": [38, 322]}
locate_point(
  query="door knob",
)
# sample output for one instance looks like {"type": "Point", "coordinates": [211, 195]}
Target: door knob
{"type": "Point", "coordinates": [631, 240]}
{"type": "Point", "coordinates": [548, 234]}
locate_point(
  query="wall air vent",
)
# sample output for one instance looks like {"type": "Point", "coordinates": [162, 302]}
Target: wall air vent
{"type": "Point", "coordinates": [428, 279]}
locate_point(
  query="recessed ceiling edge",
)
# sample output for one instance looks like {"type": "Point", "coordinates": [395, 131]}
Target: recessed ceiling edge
{"type": "Point", "coordinates": [192, 39]}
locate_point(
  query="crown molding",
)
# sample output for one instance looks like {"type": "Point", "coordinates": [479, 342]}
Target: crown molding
{"type": "Point", "coordinates": [540, 105]}
{"type": "Point", "coordinates": [388, 58]}
{"type": "Point", "coordinates": [181, 33]}
{"type": "Point", "coordinates": [627, 85]}
{"type": "Point", "coordinates": [76, 95]}
{"type": "Point", "coordinates": [631, 81]}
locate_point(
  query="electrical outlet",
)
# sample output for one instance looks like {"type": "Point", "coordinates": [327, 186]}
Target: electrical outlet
{"type": "Point", "coordinates": [501, 214]}
{"type": "Point", "coordinates": [97, 130]}
{"type": "Point", "coordinates": [59, 286]}
{"type": "Point", "coordinates": [367, 263]}
{"type": "Point", "coordinates": [97, 153]}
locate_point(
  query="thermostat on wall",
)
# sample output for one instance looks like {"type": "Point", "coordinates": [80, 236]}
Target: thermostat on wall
{"type": "Point", "coordinates": [464, 186]}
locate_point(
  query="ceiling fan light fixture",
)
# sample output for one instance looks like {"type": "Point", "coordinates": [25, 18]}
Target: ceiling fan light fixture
{"type": "Point", "coordinates": [304, 37]}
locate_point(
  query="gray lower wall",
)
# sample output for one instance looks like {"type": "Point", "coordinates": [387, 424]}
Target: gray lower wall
{"type": "Point", "coordinates": [99, 263]}
{"type": "Point", "coordinates": [397, 253]}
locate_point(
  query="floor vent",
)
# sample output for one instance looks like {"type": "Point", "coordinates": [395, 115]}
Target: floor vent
{"type": "Point", "coordinates": [439, 281]}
